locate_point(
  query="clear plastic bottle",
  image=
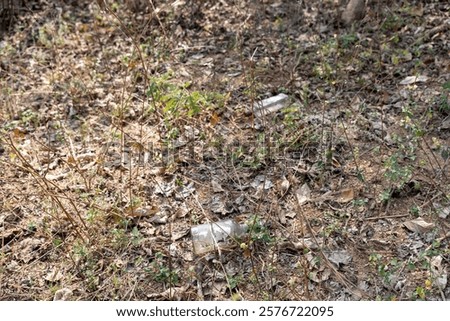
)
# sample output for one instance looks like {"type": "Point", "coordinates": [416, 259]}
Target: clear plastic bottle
{"type": "Point", "coordinates": [208, 237]}
{"type": "Point", "coordinates": [270, 105]}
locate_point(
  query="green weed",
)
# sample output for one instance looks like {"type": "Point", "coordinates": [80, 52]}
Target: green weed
{"type": "Point", "coordinates": [348, 40]}
{"type": "Point", "coordinates": [444, 99]}
{"type": "Point", "coordinates": [177, 100]}
{"type": "Point", "coordinates": [258, 231]}
{"type": "Point", "coordinates": [385, 268]}
{"type": "Point", "coordinates": [160, 272]}
{"type": "Point", "coordinates": [397, 173]}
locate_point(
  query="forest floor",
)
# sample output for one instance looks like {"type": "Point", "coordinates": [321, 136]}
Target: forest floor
{"type": "Point", "coordinates": [120, 130]}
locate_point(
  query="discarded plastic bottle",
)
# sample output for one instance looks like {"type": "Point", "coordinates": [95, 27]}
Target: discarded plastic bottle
{"type": "Point", "coordinates": [208, 237]}
{"type": "Point", "coordinates": [270, 105]}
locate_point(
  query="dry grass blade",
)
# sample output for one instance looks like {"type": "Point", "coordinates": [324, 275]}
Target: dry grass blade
{"type": "Point", "coordinates": [50, 189]}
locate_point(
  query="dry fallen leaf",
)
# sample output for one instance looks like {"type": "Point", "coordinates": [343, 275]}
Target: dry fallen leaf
{"type": "Point", "coordinates": [56, 177]}
{"type": "Point", "coordinates": [303, 194]}
{"type": "Point", "coordinates": [63, 294]}
{"type": "Point", "coordinates": [71, 160]}
{"type": "Point", "coordinates": [176, 235]}
{"type": "Point", "coordinates": [413, 79]}
{"type": "Point", "coordinates": [419, 225]}
{"type": "Point", "coordinates": [284, 185]}
{"type": "Point", "coordinates": [214, 119]}
{"type": "Point", "coordinates": [438, 272]}
{"type": "Point", "coordinates": [172, 293]}
{"type": "Point", "coordinates": [216, 187]}
{"type": "Point", "coordinates": [18, 133]}
{"type": "Point", "coordinates": [339, 257]}
{"type": "Point", "coordinates": [344, 196]}
{"type": "Point", "coordinates": [145, 211]}
{"type": "Point", "coordinates": [53, 276]}
{"type": "Point", "coordinates": [220, 205]}
{"type": "Point", "coordinates": [302, 244]}
{"type": "Point", "coordinates": [417, 11]}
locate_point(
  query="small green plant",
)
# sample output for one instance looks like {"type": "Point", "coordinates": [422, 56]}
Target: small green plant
{"type": "Point", "coordinates": [395, 172]}
{"type": "Point", "coordinates": [375, 258]}
{"type": "Point", "coordinates": [135, 201]}
{"type": "Point", "coordinates": [179, 182]}
{"type": "Point", "coordinates": [136, 236]}
{"type": "Point", "coordinates": [51, 35]}
{"type": "Point", "coordinates": [29, 117]}
{"type": "Point", "coordinates": [335, 228]}
{"type": "Point", "coordinates": [120, 238]}
{"type": "Point", "coordinates": [160, 272]}
{"type": "Point", "coordinates": [420, 293]}
{"type": "Point", "coordinates": [172, 134]}
{"type": "Point", "coordinates": [385, 195]}
{"type": "Point", "coordinates": [434, 250]}
{"type": "Point", "coordinates": [256, 160]}
{"type": "Point", "coordinates": [32, 227]}
{"type": "Point", "coordinates": [348, 40]}
{"type": "Point", "coordinates": [392, 23]}
{"type": "Point", "coordinates": [385, 268]}
{"type": "Point", "coordinates": [44, 38]}
{"type": "Point", "coordinates": [415, 211]}
{"type": "Point", "coordinates": [360, 202]}
{"type": "Point", "coordinates": [444, 98]}
{"type": "Point", "coordinates": [237, 153]}
{"type": "Point", "coordinates": [400, 55]}
{"type": "Point", "coordinates": [91, 278]}
{"type": "Point", "coordinates": [176, 100]}
{"type": "Point", "coordinates": [233, 281]}
{"type": "Point", "coordinates": [324, 70]}
{"type": "Point", "coordinates": [258, 231]}
{"type": "Point", "coordinates": [80, 250]}
{"type": "Point", "coordinates": [291, 116]}
{"type": "Point", "coordinates": [57, 242]}
{"type": "Point", "coordinates": [92, 215]}
{"type": "Point", "coordinates": [53, 289]}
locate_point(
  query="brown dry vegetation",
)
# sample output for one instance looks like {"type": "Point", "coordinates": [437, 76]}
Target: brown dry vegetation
{"type": "Point", "coordinates": [122, 127]}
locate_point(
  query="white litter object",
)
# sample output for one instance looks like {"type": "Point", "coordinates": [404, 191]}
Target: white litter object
{"type": "Point", "coordinates": [270, 105]}
{"type": "Point", "coordinates": [413, 79]}
{"type": "Point", "coordinates": [211, 236]}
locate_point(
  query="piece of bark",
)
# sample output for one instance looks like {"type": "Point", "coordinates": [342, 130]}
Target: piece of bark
{"type": "Point", "coordinates": [355, 11]}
